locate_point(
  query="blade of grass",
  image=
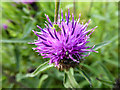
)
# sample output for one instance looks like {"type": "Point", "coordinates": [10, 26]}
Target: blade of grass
{"type": "Point", "coordinates": [93, 70]}
{"type": "Point", "coordinates": [106, 71]}
{"type": "Point", "coordinates": [15, 41]}
{"type": "Point", "coordinates": [28, 28]}
{"type": "Point", "coordinates": [105, 81]}
{"type": "Point", "coordinates": [104, 43]}
{"type": "Point", "coordinates": [115, 63]}
{"type": "Point", "coordinates": [17, 55]}
{"type": "Point", "coordinates": [85, 76]}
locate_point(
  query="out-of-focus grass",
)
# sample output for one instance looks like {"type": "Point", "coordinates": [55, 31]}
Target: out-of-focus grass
{"type": "Point", "coordinates": [18, 57]}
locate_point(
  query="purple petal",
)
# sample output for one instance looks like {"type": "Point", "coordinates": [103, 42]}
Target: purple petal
{"type": "Point", "coordinates": [49, 20]}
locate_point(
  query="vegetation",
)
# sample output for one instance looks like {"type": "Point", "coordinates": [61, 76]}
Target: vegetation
{"type": "Point", "coordinates": [99, 70]}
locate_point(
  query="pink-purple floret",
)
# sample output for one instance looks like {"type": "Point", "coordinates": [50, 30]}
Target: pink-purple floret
{"type": "Point", "coordinates": [5, 26]}
{"type": "Point", "coordinates": [71, 39]}
{"type": "Point", "coordinates": [25, 1]}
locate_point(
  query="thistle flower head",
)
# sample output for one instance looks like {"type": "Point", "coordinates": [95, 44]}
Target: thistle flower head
{"type": "Point", "coordinates": [65, 40]}
{"type": "Point", "coordinates": [25, 1]}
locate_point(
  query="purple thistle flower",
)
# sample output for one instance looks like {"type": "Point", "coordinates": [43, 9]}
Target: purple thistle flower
{"type": "Point", "coordinates": [5, 26]}
{"type": "Point", "coordinates": [64, 40]}
{"type": "Point", "coordinates": [28, 1]}
{"type": "Point", "coordinates": [25, 1]}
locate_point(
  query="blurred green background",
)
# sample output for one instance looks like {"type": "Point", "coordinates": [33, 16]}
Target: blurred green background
{"type": "Point", "coordinates": [18, 56]}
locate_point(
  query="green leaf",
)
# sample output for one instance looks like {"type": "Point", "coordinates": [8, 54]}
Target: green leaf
{"type": "Point", "coordinates": [28, 28]}
{"type": "Point", "coordinates": [113, 62]}
{"type": "Point", "coordinates": [14, 41]}
{"type": "Point", "coordinates": [106, 81]}
{"type": "Point", "coordinates": [101, 45]}
{"type": "Point", "coordinates": [106, 71]}
{"type": "Point", "coordinates": [93, 70]}
{"type": "Point", "coordinates": [85, 76]}
{"type": "Point", "coordinates": [45, 76]}
{"type": "Point", "coordinates": [104, 43]}
{"type": "Point", "coordinates": [72, 79]}
{"type": "Point", "coordinates": [17, 56]}
{"type": "Point", "coordinates": [47, 9]}
{"type": "Point", "coordinates": [43, 67]}
{"type": "Point", "coordinates": [26, 10]}
{"type": "Point", "coordinates": [66, 81]}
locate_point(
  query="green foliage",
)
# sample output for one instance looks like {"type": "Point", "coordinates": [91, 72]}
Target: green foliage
{"type": "Point", "coordinates": [43, 67]}
{"type": "Point", "coordinates": [83, 73]}
{"type": "Point", "coordinates": [27, 69]}
{"type": "Point", "coordinates": [70, 75]}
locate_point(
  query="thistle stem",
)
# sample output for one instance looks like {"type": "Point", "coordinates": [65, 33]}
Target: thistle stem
{"type": "Point", "coordinates": [57, 4]}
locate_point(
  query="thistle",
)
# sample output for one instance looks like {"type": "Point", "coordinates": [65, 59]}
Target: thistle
{"type": "Point", "coordinates": [64, 42]}
{"type": "Point", "coordinates": [25, 1]}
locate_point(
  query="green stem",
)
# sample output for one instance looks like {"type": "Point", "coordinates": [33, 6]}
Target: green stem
{"type": "Point", "coordinates": [72, 79]}
{"type": "Point", "coordinates": [91, 4]}
{"type": "Point", "coordinates": [57, 4]}
{"type": "Point", "coordinates": [74, 8]}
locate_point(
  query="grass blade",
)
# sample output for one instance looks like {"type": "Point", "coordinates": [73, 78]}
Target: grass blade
{"type": "Point", "coordinates": [104, 43]}
{"type": "Point", "coordinates": [93, 70]}
{"type": "Point", "coordinates": [105, 81]}
{"type": "Point", "coordinates": [17, 56]}
{"type": "Point", "coordinates": [106, 71]}
{"type": "Point", "coordinates": [28, 28]}
{"type": "Point", "coordinates": [14, 41]}
{"type": "Point", "coordinates": [115, 63]}
{"type": "Point", "coordinates": [85, 76]}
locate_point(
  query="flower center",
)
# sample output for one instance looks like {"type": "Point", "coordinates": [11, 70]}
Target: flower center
{"type": "Point", "coordinates": [66, 64]}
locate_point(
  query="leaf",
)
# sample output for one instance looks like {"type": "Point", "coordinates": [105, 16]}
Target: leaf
{"type": "Point", "coordinates": [72, 79]}
{"type": "Point", "coordinates": [85, 76]}
{"type": "Point", "coordinates": [17, 56]}
{"type": "Point", "coordinates": [28, 28]}
{"type": "Point", "coordinates": [101, 45]}
{"type": "Point", "coordinates": [104, 43]}
{"type": "Point", "coordinates": [47, 9]}
{"type": "Point", "coordinates": [15, 41]}
{"type": "Point", "coordinates": [106, 71]}
{"type": "Point", "coordinates": [113, 62]}
{"type": "Point", "coordinates": [106, 81]}
{"type": "Point", "coordinates": [93, 70]}
{"type": "Point", "coordinates": [26, 10]}
{"type": "Point", "coordinates": [100, 17]}
{"type": "Point", "coordinates": [43, 67]}
{"type": "Point", "coordinates": [45, 76]}
{"type": "Point", "coordinates": [69, 6]}
{"type": "Point", "coordinates": [66, 81]}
